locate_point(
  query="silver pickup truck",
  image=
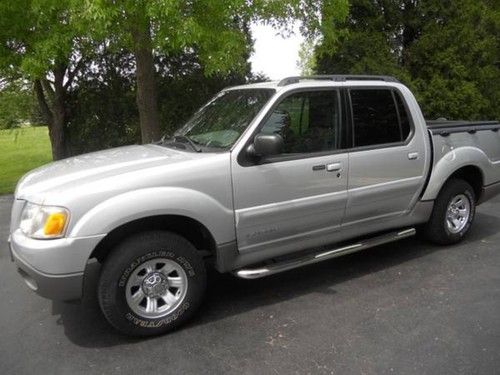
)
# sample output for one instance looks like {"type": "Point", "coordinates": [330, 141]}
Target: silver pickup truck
{"type": "Point", "coordinates": [264, 178]}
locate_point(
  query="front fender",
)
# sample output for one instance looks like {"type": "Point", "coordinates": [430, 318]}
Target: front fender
{"type": "Point", "coordinates": [452, 161]}
{"type": "Point", "coordinates": [137, 204]}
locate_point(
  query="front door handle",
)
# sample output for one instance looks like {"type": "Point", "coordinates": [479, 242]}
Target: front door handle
{"type": "Point", "coordinates": [413, 155]}
{"type": "Point", "coordinates": [334, 167]}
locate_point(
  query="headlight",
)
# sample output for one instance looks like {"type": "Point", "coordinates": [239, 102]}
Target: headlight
{"type": "Point", "coordinates": [43, 222]}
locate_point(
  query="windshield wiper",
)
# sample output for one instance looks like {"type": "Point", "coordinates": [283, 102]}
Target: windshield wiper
{"type": "Point", "coordinates": [180, 139]}
{"type": "Point", "coordinates": [186, 139]}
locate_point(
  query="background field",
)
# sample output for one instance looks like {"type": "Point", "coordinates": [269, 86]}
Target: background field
{"type": "Point", "coordinates": [21, 150]}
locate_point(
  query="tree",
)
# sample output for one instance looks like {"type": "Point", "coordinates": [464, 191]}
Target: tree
{"type": "Point", "coordinates": [446, 51]}
{"type": "Point", "coordinates": [40, 43]}
{"type": "Point", "coordinates": [104, 101]}
{"type": "Point", "coordinates": [307, 59]}
{"type": "Point", "coordinates": [102, 107]}
{"type": "Point", "coordinates": [369, 41]}
{"type": "Point", "coordinates": [454, 63]}
{"type": "Point", "coordinates": [183, 87]}
{"type": "Point", "coordinates": [47, 42]}
{"type": "Point", "coordinates": [16, 104]}
{"type": "Point", "coordinates": [215, 29]}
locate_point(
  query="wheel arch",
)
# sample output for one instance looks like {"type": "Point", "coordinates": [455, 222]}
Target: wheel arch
{"type": "Point", "coordinates": [469, 165]}
{"type": "Point", "coordinates": [473, 176]}
{"type": "Point", "coordinates": [188, 212]}
{"type": "Point", "coordinates": [189, 228]}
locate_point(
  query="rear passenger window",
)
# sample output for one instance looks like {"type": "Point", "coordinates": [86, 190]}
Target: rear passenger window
{"type": "Point", "coordinates": [375, 117]}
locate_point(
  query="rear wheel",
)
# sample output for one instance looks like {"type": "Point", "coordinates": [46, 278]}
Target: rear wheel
{"type": "Point", "coordinates": [151, 283]}
{"type": "Point", "coordinates": [453, 213]}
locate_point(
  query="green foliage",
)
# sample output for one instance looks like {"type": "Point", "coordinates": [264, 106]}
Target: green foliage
{"type": "Point", "coordinates": [22, 150]}
{"type": "Point", "coordinates": [448, 52]}
{"type": "Point", "coordinates": [16, 105]}
{"type": "Point", "coordinates": [184, 86]}
{"type": "Point", "coordinates": [175, 26]}
{"type": "Point", "coordinates": [455, 66]}
{"type": "Point", "coordinates": [79, 54]}
{"type": "Point", "coordinates": [35, 35]}
{"type": "Point", "coordinates": [101, 107]}
{"type": "Point", "coordinates": [216, 29]}
{"type": "Point", "coordinates": [103, 103]}
{"type": "Point", "coordinates": [307, 59]}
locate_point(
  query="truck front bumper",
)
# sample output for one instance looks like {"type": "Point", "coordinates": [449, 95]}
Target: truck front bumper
{"type": "Point", "coordinates": [53, 269]}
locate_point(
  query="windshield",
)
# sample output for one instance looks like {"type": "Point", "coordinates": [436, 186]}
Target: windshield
{"type": "Point", "coordinates": [221, 122]}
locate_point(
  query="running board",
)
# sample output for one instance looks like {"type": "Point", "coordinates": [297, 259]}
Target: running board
{"type": "Point", "coordinates": [255, 273]}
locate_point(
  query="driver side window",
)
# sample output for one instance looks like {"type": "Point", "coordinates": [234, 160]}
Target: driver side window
{"type": "Point", "coordinates": [307, 121]}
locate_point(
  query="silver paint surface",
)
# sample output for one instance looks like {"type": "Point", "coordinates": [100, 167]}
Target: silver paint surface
{"type": "Point", "coordinates": [269, 210]}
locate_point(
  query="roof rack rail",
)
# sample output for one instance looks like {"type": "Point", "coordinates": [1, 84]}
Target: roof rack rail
{"type": "Point", "coordinates": [337, 78]}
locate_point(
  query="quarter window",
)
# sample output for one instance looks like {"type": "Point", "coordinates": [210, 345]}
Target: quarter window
{"type": "Point", "coordinates": [375, 117]}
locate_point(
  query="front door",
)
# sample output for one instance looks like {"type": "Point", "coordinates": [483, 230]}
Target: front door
{"type": "Point", "coordinates": [296, 199]}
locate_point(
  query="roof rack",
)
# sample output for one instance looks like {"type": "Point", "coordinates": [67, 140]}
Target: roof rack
{"type": "Point", "coordinates": [336, 78]}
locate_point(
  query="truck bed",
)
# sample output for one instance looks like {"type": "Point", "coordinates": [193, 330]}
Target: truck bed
{"type": "Point", "coordinates": [446, 127]}
{"type": "Point", "coordinates": [479, 138]}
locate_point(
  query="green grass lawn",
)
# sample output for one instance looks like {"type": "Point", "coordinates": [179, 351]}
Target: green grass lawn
{"type": "Point", "coordinates": [21, 150]}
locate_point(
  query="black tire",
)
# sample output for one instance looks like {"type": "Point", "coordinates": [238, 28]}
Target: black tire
{"type": "Point", "coordinates": [436, 230]}
{"type": "Point", "coordinates": [126, 258]}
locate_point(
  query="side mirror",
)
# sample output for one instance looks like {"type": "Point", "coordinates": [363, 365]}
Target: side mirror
{"type": "Point", "coordinates": [266, 145]}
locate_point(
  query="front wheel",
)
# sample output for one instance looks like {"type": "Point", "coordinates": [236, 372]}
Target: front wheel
{"type": "Point", "coordinates": [453, 213]}
{"type": "Point", "coordinates": [151, 283]}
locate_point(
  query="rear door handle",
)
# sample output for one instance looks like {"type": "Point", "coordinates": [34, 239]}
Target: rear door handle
{"type": "Point", "coordinates": [413, 155]}
{"type": "Point", "coordinates": [334, 167]}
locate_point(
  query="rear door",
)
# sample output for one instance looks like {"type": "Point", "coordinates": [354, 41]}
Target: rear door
{"type": "Point", "coordinates": [296, 199]}
{"type": "Point", "coordinates": [387, 159]}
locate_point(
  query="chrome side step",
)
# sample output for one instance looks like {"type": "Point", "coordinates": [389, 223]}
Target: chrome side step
{"type": "Point", "coordinates": [255, 273]}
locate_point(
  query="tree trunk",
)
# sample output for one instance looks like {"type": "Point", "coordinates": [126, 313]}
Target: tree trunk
{"type": "Point", "coordinates": [58, 139]}
{"type": "Point", "coordinates": [54, 111]}
{"type": "Point", "coordinates": [409, 32]}
{"type": "Point", "coordinates": [146, 96]}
